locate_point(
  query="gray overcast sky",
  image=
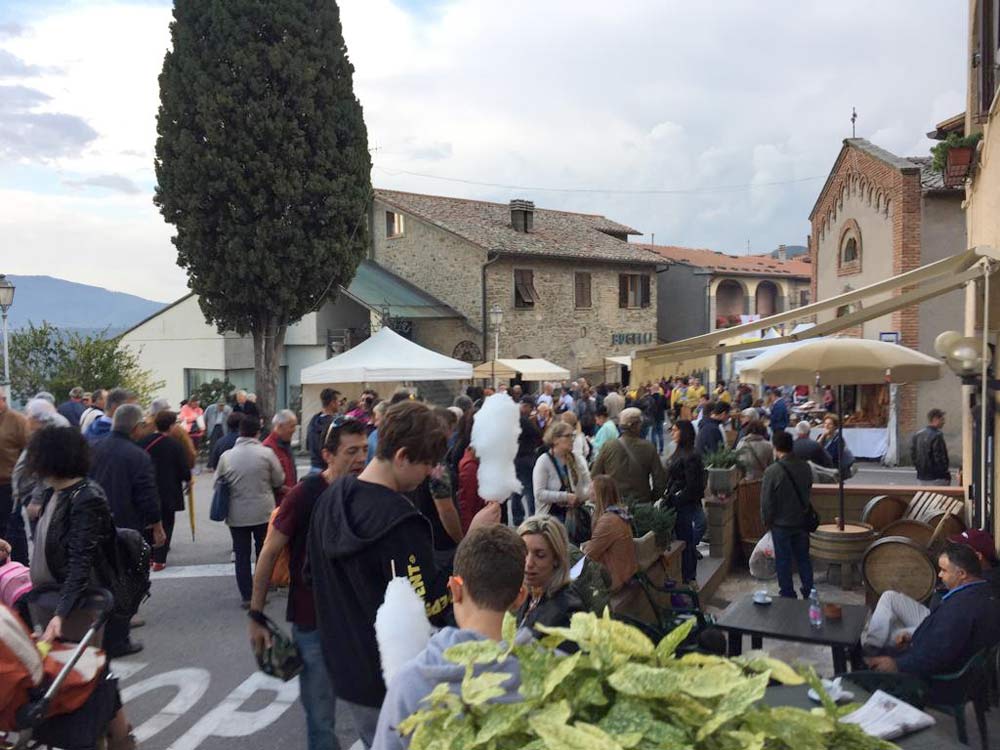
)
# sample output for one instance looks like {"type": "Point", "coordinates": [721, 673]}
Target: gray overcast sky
{"type": "Point", "coordinates": [718, 99]}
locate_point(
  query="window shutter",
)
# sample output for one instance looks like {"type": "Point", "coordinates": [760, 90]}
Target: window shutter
{"type": "Point", "coordinates": [622, 290]}
{"type": "Point", "coordinates": [644, 281]}
{"type": "Point", "coordinates": [582, 289]}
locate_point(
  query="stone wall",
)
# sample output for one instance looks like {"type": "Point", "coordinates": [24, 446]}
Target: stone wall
{"type": "Point", "coordinates": [554, 329]}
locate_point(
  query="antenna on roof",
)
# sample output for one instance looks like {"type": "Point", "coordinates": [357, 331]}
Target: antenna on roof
{"type": "Point", "coordinates": [652, 238]}
{"type": "Point", "coordinates": [854, 119]}
{"type": "Point", "coordinates": [748, 245]}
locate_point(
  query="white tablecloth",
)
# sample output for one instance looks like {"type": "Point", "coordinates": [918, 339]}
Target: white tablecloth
{"type": "Point", "coordinates": [864, 442]}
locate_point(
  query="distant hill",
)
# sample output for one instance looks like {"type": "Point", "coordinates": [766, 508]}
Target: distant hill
{"type": "Point", "coordinates": [791, 251]}
{"type": "Point", "coordinates": [76, 307]}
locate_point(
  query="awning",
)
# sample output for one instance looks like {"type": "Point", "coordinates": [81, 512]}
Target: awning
{"type": "Point", "coordinates": [377, 288]}
{"type": "Point", "coordinates": [623, 361]}
{"type": "Point", "coordinates": [923, 283]}
{"type": "Point", "coordinates": [528, 369]}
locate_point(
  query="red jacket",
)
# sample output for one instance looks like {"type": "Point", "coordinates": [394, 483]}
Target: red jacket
{"type": "Point", "coordinates": [469, 502]}
{"type": "Point", "coordinates": [284, 454]}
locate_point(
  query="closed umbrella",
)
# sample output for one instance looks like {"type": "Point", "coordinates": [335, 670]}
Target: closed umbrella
{"type": "Point", "coordinates": [840, 362]}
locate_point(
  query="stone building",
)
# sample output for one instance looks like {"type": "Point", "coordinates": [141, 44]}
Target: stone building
{"type": "Point", "coordinates": [879, 215]}
{"type": "Point", "coordinates": [571, 287]}
{"type": "Point", "coordinates": [707, 290]}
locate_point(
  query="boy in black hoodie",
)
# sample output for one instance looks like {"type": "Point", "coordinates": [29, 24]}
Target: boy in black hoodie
{"type": "Point", "coordinates": [363, 531]}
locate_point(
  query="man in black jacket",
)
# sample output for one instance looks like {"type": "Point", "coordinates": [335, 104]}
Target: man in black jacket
{"type": "Point", "coordinates": [318, 425]}
{"type": "Point", "coordinates": [784, 502]}
{"type": "Point", "coordinates": [710, 437]}
{"type": "Point", "coordinates": [808, 449]}
{"type": "Point", "coordinates": [963, 624]}
{"type": "Point", "coordinates": [362, 533]}
{"type": "Point", "coordinates": [929, 452]}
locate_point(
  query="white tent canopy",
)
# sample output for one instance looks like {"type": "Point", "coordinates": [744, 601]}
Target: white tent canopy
{"type": "Point", "coordinates": [528, 369]}
{"type": "Point", "coordinates": [623, 361]}
{"type": "Point", "coordinates": [384, 358]}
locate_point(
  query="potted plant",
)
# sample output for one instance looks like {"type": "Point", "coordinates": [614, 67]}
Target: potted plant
{"type": "Point", "coordinates": [953, 157]}
{"type": "Point", "coordinates": [723, 468]}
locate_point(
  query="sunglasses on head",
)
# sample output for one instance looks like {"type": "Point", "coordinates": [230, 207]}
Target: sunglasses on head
{"type": "Point", "coordinates": [339, 421]}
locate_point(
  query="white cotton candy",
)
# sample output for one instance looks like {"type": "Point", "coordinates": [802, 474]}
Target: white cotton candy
{"type": "Point", "coordinates": [494, 439]}
{"type": "Point", "coordinates": [401, 626]}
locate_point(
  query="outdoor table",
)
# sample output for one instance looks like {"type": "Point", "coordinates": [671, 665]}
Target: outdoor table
{"type": "Point", "coordinates": [788, 620]}
{"type": "Point", "coordinates": [941, 736]}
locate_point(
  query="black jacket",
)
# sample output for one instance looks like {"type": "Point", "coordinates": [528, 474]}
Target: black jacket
{"type": "Point", "coordinates": [80, 547]}
{"type": "Point", "coordinates": [316, 436]}
{"type": "Point", "coordinates": [529, 441]}
{"type": "Point", "coordinates": [710, 437]}
{"type": "Point", "coordinates": [125, 473]}
{"type": "Point", "coordinates": [220, 446]}
{"type": "Point", "coordinates": [171, 469]}
{"type": "Point", "coordinates": [809, 450]}
{"type": "Point", "coordinates": [358, 530]}
{"type": "Point", "coordinates": [553, 611]}
{"type": "Point", "coordinates": [685, 479]}
{"type": "Point", "coordinates": [929, 454]}
{"type": "Point", "coordinates": [785, 492]}
{"type": "Point", "coordinates": [964, 623]}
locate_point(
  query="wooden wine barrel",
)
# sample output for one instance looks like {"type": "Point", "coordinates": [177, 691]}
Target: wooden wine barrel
{"type": "Point", "coordinates": [953, 524]}
{"type": "Point", "coordinates": [749, 526]}
{"type": "Point", "coordinates": [900, 564]}
{"type": "Point", "coordinates": [918, 531]}
{"type": "Point", "coordinates": [830, 544]}
{"type": "Point", "coordinates": [882, 510]}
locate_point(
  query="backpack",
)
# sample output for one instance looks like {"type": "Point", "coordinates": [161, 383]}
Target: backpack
{"type": "Point", "coordinates": [130, 578]}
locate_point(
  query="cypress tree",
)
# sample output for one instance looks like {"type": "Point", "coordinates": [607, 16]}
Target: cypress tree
{"type": "Point", "coordinates": [262, 165]}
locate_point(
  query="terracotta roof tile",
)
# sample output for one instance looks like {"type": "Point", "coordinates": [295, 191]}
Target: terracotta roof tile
{"type": "Point", "coordinates": [558, 234]}
{"type": "Point", "coordinates": [714, 260]}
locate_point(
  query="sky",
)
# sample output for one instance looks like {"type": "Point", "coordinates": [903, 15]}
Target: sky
{"type": "Point", "coordinates": [707, 124]}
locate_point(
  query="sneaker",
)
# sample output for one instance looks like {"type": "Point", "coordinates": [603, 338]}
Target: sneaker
{"type": "Point", "coordinates": [136, 622]}
{"type": "Point", "coordinates": [157, 567]}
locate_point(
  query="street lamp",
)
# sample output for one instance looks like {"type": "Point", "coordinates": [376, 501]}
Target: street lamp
{"type": "Point", "coordinates": [6, 300]}
{"type": "Point", "coordinates": [496, 319]}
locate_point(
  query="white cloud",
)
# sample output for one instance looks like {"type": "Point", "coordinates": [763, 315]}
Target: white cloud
{"type": "Point", "coordinates": [644, 95]}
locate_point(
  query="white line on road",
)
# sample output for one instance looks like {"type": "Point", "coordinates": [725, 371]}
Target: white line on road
{"type": "Point", "coordinates": [212, 570]}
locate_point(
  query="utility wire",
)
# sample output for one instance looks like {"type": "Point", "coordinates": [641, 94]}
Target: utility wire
{"type": "Point", "coordinates": [610, 191]}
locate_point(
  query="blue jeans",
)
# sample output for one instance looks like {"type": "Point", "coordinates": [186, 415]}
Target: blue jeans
{"type": "Point", "coordinates": [789, 544]}
{"type": "Point", "coordinates": [700, 523]}
{"type": "Point", "coordinates": [315, 691]}
{"type": "Point", "coordinates": [658, 435]}
{"type": "Point", "coordinates": [241, 547]}
{"type": "Point", "coordinates": [684, 530]}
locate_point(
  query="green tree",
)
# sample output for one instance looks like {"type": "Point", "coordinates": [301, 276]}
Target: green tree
{"type": "Point", "coordinates": [43, 358]}
{"type": "Point", "coordinates": [262, 164]}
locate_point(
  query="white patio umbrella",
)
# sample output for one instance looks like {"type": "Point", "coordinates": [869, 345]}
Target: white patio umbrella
{"type": "Point", "coordinates": [840, 362]}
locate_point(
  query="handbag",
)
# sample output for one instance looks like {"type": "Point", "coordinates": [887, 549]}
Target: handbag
{"type": "Point", "coordinates": [220, 500]}
{"type": "Point", "coordinates": [282, 658]}
{"type": "Point", "coordinates": [812, 517]}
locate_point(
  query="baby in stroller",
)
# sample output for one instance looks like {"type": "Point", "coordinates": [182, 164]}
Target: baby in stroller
{"type": "Point", "coordinates": [55, 694]}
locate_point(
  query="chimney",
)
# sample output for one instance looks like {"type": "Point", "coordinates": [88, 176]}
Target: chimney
{"type": "Point", "coordinates": [522, 215]}
{"type": "Point", "coordinates": [782, 253]}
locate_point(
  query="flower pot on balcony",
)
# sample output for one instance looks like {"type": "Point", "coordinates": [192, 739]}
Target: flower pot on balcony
{"type": "Point", "coordinates": [958, 164]}
{"type": "Point", "coordinates": [723, 481]}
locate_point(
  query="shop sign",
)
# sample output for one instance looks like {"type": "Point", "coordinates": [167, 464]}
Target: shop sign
{"type": "Point", "coordinates": [619, 339]}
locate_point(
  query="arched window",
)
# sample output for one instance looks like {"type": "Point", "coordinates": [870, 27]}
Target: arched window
{"type": "Point", "coordinates": [849, 250]}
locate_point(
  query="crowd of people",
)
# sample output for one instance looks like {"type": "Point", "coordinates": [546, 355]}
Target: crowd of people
{"type": "Point", "coordinates": [393, 489]}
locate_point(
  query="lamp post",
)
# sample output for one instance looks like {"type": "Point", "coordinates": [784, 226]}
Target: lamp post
{"type": "Point", "coordinates": [6, 300]}
{"type": "Point", "coordinates": [496, 319]}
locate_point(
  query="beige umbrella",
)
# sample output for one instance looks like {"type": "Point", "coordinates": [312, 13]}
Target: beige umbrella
{"type": "Point", "coordinates": [840, 362]}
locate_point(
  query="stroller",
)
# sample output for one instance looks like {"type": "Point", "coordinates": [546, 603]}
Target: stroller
{"type": "Point", "coordinates": [66, 699]}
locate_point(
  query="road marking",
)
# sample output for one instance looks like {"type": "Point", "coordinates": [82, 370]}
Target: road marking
{"type": "Point", "coordinates": [191, 684]}
{"type": "Point", "coordinates": [226, 720]}
{"type": "Point", "coordinates": [211, 570]}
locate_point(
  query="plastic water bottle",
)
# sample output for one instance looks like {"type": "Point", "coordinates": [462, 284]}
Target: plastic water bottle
{"type": "Point", "coordinates": [815, 610]}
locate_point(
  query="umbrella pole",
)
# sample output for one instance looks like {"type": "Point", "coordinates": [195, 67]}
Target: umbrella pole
{"type": "Point", "coordinates": [840, 453]}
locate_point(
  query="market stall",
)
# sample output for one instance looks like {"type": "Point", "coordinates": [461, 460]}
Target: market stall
{"type": "Point", "coordinates": [385, 357]}
{"type": "Point", "coordinates": [527, 369]}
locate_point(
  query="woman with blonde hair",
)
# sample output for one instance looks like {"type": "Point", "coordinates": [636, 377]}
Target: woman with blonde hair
{"type": "Point", "coordinates": [611, 543]}
{"type": "Point", "coordinates": [550, 600]}
{"type": "Point", "coordinates": [581, 446]}
{"type": "Point", "coordinates": [560, 478]}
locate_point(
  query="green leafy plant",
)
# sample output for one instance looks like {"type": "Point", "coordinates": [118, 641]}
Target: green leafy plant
{"type": "Point", "coordinates": [646, 517]}
{"type": "Point", "coordinates": [622, 692]}
{"type": "Point", "coordinates": [724, 458]}
{"type": "Point", "coordinates": [213, 392]}
{"type": "Point", "coordinates": [939, 151]}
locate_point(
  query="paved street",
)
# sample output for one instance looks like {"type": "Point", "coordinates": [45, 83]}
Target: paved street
{"type": "Point", "coordinates": [196, 684]}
